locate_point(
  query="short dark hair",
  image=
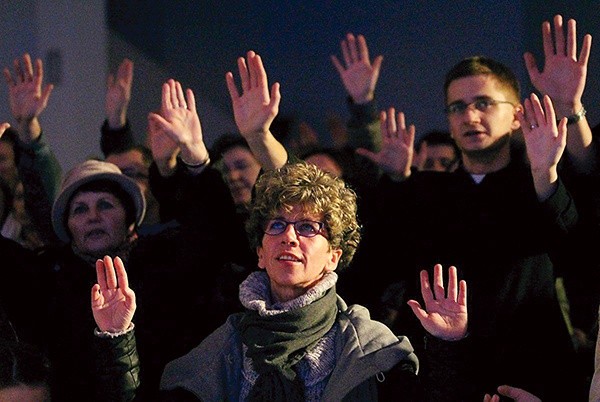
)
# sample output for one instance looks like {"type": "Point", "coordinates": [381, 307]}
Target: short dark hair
{"type": "Point", "coordinates": [481, 65]}
{"type": "Point", "coordinates": [438, 137]}
{"type": "Point", "coordinates": [226, 142]}
{"type": "Point", "coordinates": [143, 149]}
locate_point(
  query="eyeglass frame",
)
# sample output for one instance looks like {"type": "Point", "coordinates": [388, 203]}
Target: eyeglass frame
{"type": "Point", "coordinates": [287, 223]}
{"type": "Point", "coordinates": [485, 103]}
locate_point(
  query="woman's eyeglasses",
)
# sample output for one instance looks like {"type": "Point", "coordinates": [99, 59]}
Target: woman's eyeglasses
{"type": "Point", "coordinates": [305, 228]}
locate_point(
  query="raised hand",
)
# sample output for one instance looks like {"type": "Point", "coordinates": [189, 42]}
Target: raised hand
{"type": "Point", "coordinates": [444, 316]}
{"type": "Point", "coordinates": [26, 96]}
{"type": "Point", "coordinates": [178, 119]}
{"type": "Point", "coordinates": [564, 74]}
{"type": "Point", "coordinates": [516, 394]}
{"type": "Point", "coordinates": [397, 145]}
{"type": "Point", "coordinates": [113, 302]}
{"type": "Point", "coordinates": [255, 109]}
{"type": "Point", "coordinates": [118, 94]}
{"type": "Point", "coordinates": [544, 140]}
{"type": "Point", "coordinates": [359, 75]}
{"type": "Point", "coordinates": [164, 149]}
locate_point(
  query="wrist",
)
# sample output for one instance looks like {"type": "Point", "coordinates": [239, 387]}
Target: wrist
{"type": "Point", "coordinates": [574, 117]}
{"type": "Point", "coordinates": [113, 333]}
{"type": "Point", "coordinates": [116, 122]}
{"type": "Point", "coordinates": [365, 98]}
{"type": "Point", "coordinates": [194, 165]}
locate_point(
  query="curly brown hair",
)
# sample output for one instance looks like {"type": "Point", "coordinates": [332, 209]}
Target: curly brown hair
{"type": "Point", "coordinates": [318, 193]}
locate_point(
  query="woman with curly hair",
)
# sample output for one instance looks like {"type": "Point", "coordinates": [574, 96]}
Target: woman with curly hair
{"type": "Point", "coordinates": [297, 340]}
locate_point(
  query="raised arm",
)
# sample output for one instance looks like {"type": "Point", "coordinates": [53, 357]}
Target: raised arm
{"type": "Point", "coordinates": [39, 170]}
{"type": "Point", "coordinates": [444, 315]}
{"type": "Point", "coordinates": [116, 131]}
{"type": "Point", "coordinates": [254, 110]}
{"type": "Point", "coordinates": [177, 127]}
{"type": "Point", "coordinates": [544, 141]}
{"type": "Point", "coordinates": [359, 76]}
{"type": "Point", "coordinates": [27, 96]}
{"type": "Point", "coordinates": [113, 301]}
{"type": "Point", "coordinates": [116, 361]}
{"type": "Point", "coordinates": [118, 95]}
{"type": "Point", "coordinates": [563, 78]}
{"type": "Point", "coordinates": [397, 147]}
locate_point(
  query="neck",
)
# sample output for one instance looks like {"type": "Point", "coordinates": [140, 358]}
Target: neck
{"type": "Point", "coordinates": [487, 160]}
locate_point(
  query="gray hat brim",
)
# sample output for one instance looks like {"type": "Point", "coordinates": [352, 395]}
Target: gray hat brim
{"type": "Point", "coordinates": [60, 205]}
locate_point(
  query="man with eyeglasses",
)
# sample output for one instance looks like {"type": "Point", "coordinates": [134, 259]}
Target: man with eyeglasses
{"type": "Point", "coordinates": [501, 220]}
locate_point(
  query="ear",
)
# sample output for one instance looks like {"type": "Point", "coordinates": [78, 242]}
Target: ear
{"type": "Point", "coordinates": [332, 263]}
{"type": "Point", "coordinates": [515, 125]}
{"type": "Point", "coordinates": [261, 262]}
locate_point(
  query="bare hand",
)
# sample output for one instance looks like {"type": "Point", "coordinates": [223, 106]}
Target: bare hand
{"type": "Point", "coordinates": [359, 76]}
{"type": "Point", "coordinates": [179, 120]}
{"type": "Point", "coordinates": [544, 141]}
{"type": "Point", "coordinates": [397, 146]}
{"type": "Point", "coordinates": [113, 302]}
{"type": "Point", "coordinates": [563, 77]}
{"type": "Point", "coordinates": [444, 317]}
{"type": "Point", "coordinates": [255, 109]}
{"type": "Point", "coordinates": [118, 94]}
{"type": "Point", "coordinates": [26, 97]}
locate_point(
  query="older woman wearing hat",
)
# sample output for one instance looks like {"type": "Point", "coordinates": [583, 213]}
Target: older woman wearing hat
{"type": "Point", "coordinates": [97, 210]}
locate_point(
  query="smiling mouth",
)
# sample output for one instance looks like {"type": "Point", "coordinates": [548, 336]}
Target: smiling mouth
{"type": "Point", "coordinates": [288, 258]}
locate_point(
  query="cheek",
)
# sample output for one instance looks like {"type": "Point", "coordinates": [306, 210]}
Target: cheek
{"type": "Point", "coordinates": [74, 227]}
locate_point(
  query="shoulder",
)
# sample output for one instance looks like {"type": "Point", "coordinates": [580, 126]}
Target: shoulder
{"type": "Point", "coordinates": [206, 366]}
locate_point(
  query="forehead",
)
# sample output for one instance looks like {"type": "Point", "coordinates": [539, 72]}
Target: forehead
{"type": "Point", "coordinates": [467, 89]}
{"type": "Point", "coordinates": [93, 196]}
{"type": "Point", "coordinates": [299, 212]}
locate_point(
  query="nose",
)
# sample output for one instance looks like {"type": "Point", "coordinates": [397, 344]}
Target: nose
{"type": "Point", "coordinates": [471, 114]}
{"type": "Point", "coordinates": [289, 235]}
{"type": "Point", "coordinates": [93, 214]}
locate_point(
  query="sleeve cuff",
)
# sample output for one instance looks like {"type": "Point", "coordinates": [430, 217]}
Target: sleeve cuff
{"type": "Point", "coordinates": [107, 334]}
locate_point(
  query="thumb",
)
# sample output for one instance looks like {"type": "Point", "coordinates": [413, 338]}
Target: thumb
{"type": "Point", "coordinates": [3, 127]}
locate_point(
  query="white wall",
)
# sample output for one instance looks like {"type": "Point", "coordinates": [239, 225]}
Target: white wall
{"type": "Point", "coordinates": [76, 30]}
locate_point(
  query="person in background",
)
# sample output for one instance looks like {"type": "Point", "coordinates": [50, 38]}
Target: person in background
{"type": "Point", "coordinates": [444, 218]}
{"type": "Point", "coordinates": [240, 168]}
{"type": "Point", "coordinates": [436, 151]}
{"type": "Point", "coordinates": [28, 159]}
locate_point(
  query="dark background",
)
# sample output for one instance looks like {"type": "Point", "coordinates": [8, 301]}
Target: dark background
{"type": "Point", "coordinates": [197, 42]}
